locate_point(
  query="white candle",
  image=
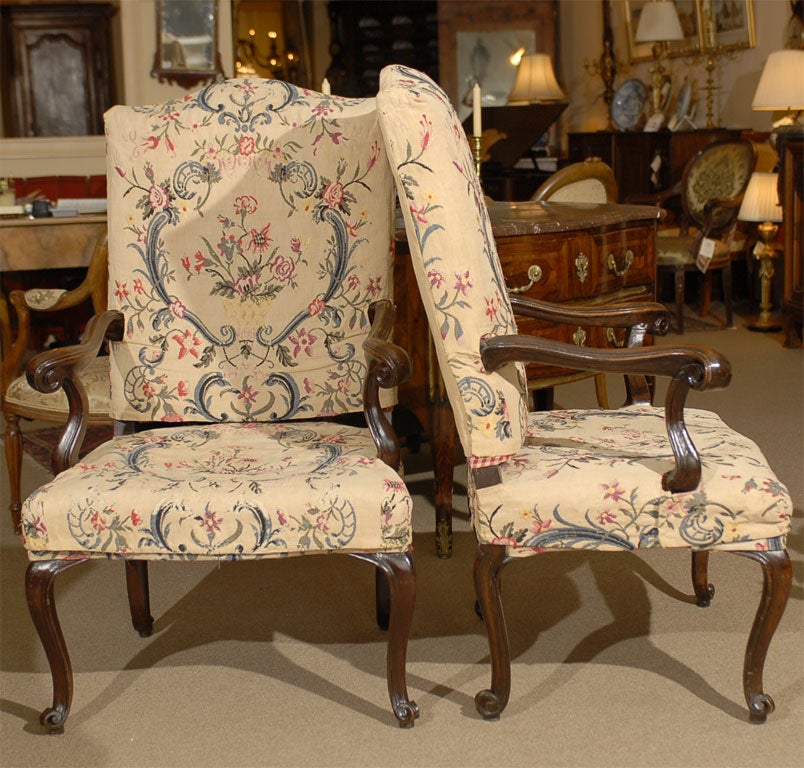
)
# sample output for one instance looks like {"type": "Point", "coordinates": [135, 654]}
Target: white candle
{"type": "Point", "coordinates": [476, 122]}
{"type": "Point", "coordinates": [325, 87]}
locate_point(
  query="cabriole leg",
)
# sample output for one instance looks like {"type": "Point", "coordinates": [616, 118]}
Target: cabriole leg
{"type": "Point", "coordinates": [382, 599]}
{"type": "Point", "coordinates": [704, 591]}
{"type": "Point", "coordinates": [39, 579]}
{"type": "Point", "coordinates": [777, 575]}
{"type": "Point", "coordinates": [397, 570]}
{"type": "Point", "coordinates": [139, 598]}
{"type": "Point", "coordinates": [13, 440]}
{"type": "Point", "coordinates": [488, 563]}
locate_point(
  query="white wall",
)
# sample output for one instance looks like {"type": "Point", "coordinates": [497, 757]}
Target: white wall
{"type": "Point", "coordinates": [581, 23]}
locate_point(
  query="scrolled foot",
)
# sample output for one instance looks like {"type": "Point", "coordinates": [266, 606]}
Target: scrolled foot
{"type": "Point", "coordinates": [53, 719]}
{"type": "Point", "coordinates": [488, 705]}
{"type": "Point", "coordinates": [704, 598]}
{"type": "Point", "coordinates": [760, 705]}
{"type": "Point", "coordinates": [406, 713]}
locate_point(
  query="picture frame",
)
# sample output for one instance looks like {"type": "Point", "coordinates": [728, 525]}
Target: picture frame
{"type": "Point", "coordinates": [725, 25]}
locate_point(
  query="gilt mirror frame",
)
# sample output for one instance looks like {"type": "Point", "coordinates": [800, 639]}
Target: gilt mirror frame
{"type": "Point", "coordinates": [187, 52]}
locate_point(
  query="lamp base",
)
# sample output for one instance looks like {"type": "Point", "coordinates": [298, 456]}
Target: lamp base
{"type": "Point", "coordinates": [767, 324]}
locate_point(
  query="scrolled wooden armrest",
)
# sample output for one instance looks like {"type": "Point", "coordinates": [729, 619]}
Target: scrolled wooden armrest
{"type": "Point", "coordinates": [688, 367]}
{"type": "Point", "coordinates": [388, 365]}
{"type": "Point", "coordinates": [652, 315]}
{"type": "Point", "coordinates": [60, 368]}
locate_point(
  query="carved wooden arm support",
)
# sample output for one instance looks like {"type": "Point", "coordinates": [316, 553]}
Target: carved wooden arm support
{"type": "Point", "coordinates": [388, 366]}
{"type": "Point", "coordinates": [60, 368]}
{"type": "Point", "coordinates": [688, 367]}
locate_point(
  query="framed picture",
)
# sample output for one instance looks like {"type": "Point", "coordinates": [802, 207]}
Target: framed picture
{"type": "Point", "coordinates": [728, 24]}
{"type": "Point", "coordinates": [689, 14]}
{"type": "Point", "coordinates": [724, 24]}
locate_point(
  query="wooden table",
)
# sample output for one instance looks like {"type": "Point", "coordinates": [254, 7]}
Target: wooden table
{"type": "Point", "coordinates": [581, 253]}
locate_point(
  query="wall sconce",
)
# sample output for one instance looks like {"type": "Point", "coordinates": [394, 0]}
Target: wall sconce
{"type": "Point", "coordinates": [658, 23]}
{"type": "Point", "coordinates": [761, 204]}
{"type": "Point", "coordinates": [535, 81]}
{"type": "Point", "coordinates": [781, 86]}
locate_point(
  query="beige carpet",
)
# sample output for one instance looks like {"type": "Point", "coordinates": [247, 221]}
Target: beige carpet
{"type": "Point", "coordinates": [281, 664]}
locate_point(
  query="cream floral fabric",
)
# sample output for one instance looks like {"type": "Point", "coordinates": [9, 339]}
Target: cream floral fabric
{"type": "Point", "coordinates": [96, 381]}
{"type": "Point", "coordinates": [583, 479]}
{"type": "Point", "coordinates": [251, 228]}
{"type": "Point", "coordinates": [592, 480]}
{"type": "Point", "coordinates": [223, 491]}
{"type": "Point", "coordinates": [43, 298]}
{"type": "Point", "coordinates": [454, 257]}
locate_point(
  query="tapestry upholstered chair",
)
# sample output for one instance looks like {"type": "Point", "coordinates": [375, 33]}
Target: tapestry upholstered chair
{"type": "Point", "coordinates": [710, 192]}
{"type": "Point", "coordinates": [637, 477]}
{"type": "Point", "coordinates": [250, 246]}
{"type": "Point", "coordinates": [19, 400]}
{"type": "Point", "coordinates": [590, 181]}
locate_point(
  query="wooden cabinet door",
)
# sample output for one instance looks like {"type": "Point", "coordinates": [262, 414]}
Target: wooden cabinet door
{"type": "Point", "coordinates": [58, 69]}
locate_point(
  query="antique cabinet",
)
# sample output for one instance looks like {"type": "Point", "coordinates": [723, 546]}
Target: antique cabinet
{"type": "Point", "coordinates": [644, 162]}
{"type": "Point", "coordinates": [790, 146]}
{"type": "Point", "coordinates": [57, 64]}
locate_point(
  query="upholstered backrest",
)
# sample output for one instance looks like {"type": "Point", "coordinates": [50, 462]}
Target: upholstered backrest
{"type": "Point", "coordinates": [454, 258]}
{"type": "Point", "coordinates": [590, 181]}
{"type": "Point", "coordinates": [719, 170]}
{"type": "Point", "coordinates": [250, 226]}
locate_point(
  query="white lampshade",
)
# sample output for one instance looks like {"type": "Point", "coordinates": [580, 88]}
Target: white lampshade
{"type": "Point", "coordinates": [761, 200]}
{"type": "Point", "coordinates": [658, 21]}
{"type": "Point", "coordinates": [781, 87]}
{"type": "Point", "coordinates": [535, 81]}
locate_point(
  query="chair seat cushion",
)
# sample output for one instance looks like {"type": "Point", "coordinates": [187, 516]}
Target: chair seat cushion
{"type": "Point", "coordinates": [20, 395]}
{"type": "Point", "coordinates": [593, 480]}
{"type": "Point", "coordinates": [223, 491]}
{"type": "Point", "coordinates": [676, 250]}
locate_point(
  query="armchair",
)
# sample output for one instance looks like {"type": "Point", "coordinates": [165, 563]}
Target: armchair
{"type": "Point", "coordinates": [710, 192]}
{"type": "Point", "coordinates": [250, 246]}
{"type": "Point", "coordinates": [637, 477]}
{"type": "Point", "coordinates": [19, 400]}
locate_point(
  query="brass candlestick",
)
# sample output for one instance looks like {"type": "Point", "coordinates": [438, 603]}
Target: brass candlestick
{"type": "Point", "coordinates": [766, 321]}
{"type": "Point", "coordinates": [478, 153]}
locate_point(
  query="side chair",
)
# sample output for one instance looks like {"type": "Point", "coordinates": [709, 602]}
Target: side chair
{"type": "Point", "coordinates": [633, 478]}
{"type": "Point", "coordinates": [19, 400]}
{"type": "Point", "coordinates": [250, 256]}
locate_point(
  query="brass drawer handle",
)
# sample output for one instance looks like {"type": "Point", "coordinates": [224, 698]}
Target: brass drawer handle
{"type": "Point", "coordinates": [534, 275]}
{"type": "Point", "coordinates": [582, 266]}
{"type": "Point", "coordinates": [611, 337]}
{"type": "Point", "coordinates": [629, 260]}
{"type": "Point", "coordinates": [579, 337]}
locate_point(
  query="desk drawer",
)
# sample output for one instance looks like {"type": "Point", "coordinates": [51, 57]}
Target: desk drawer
{"type": "Point", "coordinates": [557, 267]}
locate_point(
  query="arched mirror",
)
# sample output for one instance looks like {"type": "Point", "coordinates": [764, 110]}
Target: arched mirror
{"type": "Point", "coordinates": [187, 42]}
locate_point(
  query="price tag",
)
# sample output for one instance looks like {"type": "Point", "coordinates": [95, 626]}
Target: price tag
{"type": "Point", "coordinates": [705, 253]}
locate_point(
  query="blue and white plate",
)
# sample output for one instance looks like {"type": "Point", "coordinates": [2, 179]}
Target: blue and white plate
{"type": "Point", "coordinates": [628, 103]}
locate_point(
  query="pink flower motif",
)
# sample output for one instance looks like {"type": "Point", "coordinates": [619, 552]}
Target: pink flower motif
{"type": "Point", "coordinates": [282, 268]}
{"type": "Point", "coordinates": [182, 389]}
{"type": "Point", "coordinates": [336, 137]}
{"type": "Point", "coordinates": [120, 172]}
{"type": "Point", "coordinates": [245, 284]}
{"type": "Point", "coordinates": [178, 308]}
{"type": "Point", "coordinates": [210, 522]}
{"type": "Point", "coordinates": [308, 386]}
{"type": "Point", "coordinates": [333, 194]}
{"type": "Point", "coordinates": [248, 394]}
{"type": "Point", "coordinates": [426, 128]}
{"type": "Point", "coordinates": [322, 522]}
{"type": "Point", "coordinates": [245, 204]}
{"type": "Point", "coordinates": [353, 282]}
{"type": "Point", "coordinates": [172, 418]}
{"type": "Point", "coordinates": [491, 307]}
{"type": "Point", "coordinates": [295, 245]}
{"type": "Point", "coordinates": [40, 526]}
{"type": "Point", "coordinates": [187, 344]}
{"type": "Point", "coordinates": [394, 485]}
{"type": "Point", "coordinates": [436, 278]}
{"type": "Point", "coordinates": [282, 519]}
{"type": "Point", "coordinates": [259, 241]}
{"type": "Point", "coordinates": [315, 307]}
{"type": "Point", "coordinates": [419, 213]}
{"type": "Point", "coordinates": [98, 522]}
{"type": "Point", "coordinates": [508, 541]}
{"type": "Point", "coordinates": [138, 286]}
{"type": "Point", "coordinates": [303, 342]}
{"type": "Point", "coordinates": [463, 282]}
{"type": "Point", "coordinates": [168, 116]}
{"type": "Point", "coordinates": [246, 145]}
{"type": "Point", "coordinates": [148, 389]}
{"type": "Point", "coordinates": [606, 517]}
{"type": "Point", "coordinates": [373, 155]}
{"type": "Point", "coordinates": [158, 197]}
{"type": "Point", "coordinates": [120, 290]}
{"type": "Point", "coordinates": [151, 142]}
{"type": "Point", "coordinates": [375, 285]}
{"type": "Point", "coordinates": [322, 110]}
{"type": "Point", "coordinates": [612, 491]}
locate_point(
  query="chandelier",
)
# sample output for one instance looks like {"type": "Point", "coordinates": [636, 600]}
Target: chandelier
{"type": "Point", "coordinates": [280, 66]}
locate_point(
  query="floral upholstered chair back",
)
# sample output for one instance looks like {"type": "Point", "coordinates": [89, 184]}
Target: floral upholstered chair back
{"type": "Point", "coordinates": [455, 260]}
{"type": "Point", "coordinates": [720, 170]}
{"type": "Point", "coordinates": [250, 228]}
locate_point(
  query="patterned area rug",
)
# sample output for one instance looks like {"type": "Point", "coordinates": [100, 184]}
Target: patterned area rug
{"type": "Point", "coordinates": [39, 443]}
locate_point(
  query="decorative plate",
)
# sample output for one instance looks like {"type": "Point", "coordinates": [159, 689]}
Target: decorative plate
{"type": "Point", "coordinates": [683, 103]}
{"type": "Point", "coordinates": [627, 105]}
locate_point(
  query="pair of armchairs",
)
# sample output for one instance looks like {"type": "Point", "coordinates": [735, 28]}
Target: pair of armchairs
{"type": "Point", "coordinates": [249, 324]}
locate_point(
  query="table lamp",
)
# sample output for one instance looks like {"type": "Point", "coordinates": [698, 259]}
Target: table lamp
{"type": "Point", "coordinates": [781, 86]}
{"type": "Point", "coordinates": [535, 81]}
{"type": "Point", "coordinates": [658, 23]}
{"type": "Point", "coordinates": [761, 204]}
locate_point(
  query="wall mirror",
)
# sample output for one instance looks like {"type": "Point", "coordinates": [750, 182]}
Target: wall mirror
{"type": "Point", "coordinates": [187, 42]}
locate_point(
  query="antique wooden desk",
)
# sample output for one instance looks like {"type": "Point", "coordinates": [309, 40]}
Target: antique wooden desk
{"type": "Point", "coordinates": [585, 254]}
